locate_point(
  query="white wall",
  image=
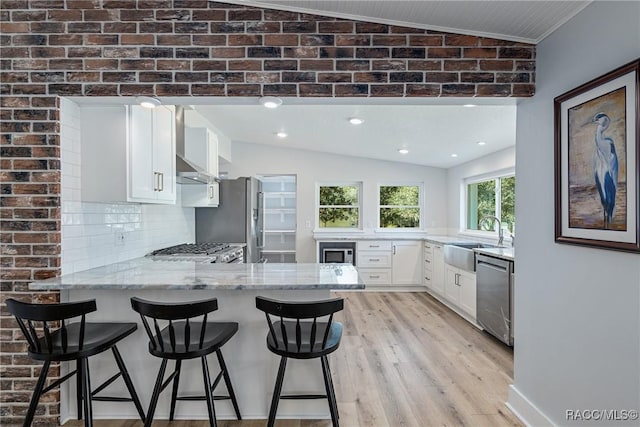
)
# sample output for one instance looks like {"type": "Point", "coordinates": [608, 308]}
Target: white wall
{"type": "Point", "coordinates": [311, 167]}
{"type": "Point", "coordinates": [89, 229]}
{"type": "Point", "coordinates": [577, 328]}
{"type": "Point", "coordinates": [498, 161]}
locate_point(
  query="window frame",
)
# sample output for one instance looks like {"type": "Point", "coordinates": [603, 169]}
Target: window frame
{"type": "Point", "coordinates": [464, 203]}
{"type": "Point", "coordinates": [358, 185]}
{"type": "Point", "coordinates": [421, 197]}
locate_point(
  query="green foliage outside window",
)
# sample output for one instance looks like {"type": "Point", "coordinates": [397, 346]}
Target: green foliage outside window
{"type": "Point", "coordinates": [482, 199]}
{"type": "Point", "coordinates": [399, 207]}
{"type": "Point", "coordinates": [339, 206]}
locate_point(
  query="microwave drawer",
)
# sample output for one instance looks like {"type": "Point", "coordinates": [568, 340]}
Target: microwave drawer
{"type": "Point", "coordinates": [374, 245]}
{"type": "Point", "coordinates": [375, 277]}
{"type": "Point", "coordinates": [373, 259]}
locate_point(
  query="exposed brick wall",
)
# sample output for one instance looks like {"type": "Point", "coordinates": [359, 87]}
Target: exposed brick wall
{"type": "Point", "coordinates": [53, 48]}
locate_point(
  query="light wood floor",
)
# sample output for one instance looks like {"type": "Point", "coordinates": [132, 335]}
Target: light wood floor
{"type": "Point", "coordinates": [404, 360]}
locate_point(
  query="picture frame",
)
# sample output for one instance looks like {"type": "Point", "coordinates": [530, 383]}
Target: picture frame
{"type": "Point", "coordinates": [597, 162]}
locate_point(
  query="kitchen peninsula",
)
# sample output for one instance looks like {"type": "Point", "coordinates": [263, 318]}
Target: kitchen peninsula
{"type": "Point", "coordinates": [252, 367]}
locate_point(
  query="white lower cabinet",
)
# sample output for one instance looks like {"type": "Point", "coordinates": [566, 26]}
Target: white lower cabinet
{"type": "Point", "coordinates": [460, 289]}
{"type": "Point", "coordinates": [406, 262]}
{"type": "Point", "coordinates": [433, 268]}
{"type": "Point", "coordinates": [389, 263]}
{"type": "Point", "coordinates": [373, 259]}
{"type": "Point", "coordinates": [375, 277]}
{"type": "Point", "coordinates": [437, 280]}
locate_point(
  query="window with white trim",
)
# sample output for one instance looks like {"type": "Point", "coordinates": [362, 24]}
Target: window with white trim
{"type": "Point", "coordinates": [399, 206]}
{"type": "Point", "coordinates": [491, 197]}
{"type": "Point", "coordinates": [339, 205]}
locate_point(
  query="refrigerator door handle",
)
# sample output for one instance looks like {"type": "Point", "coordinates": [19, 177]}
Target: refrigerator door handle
{"type": "Point", "coordinates": [260, 219]}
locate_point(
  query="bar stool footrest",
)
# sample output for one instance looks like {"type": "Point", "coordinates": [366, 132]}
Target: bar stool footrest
{"type": "Point", "coordinates": [202, 397]}
{"type": "Point", "coordinates": [304, 396]}
{"type": "Point", "coordinates": [59, 381]}
{"type": "Point", "coordinates": [111, 399]}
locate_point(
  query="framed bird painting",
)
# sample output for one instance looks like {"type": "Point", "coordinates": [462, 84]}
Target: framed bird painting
{"type": "Point", "coordinates": [597, 161]}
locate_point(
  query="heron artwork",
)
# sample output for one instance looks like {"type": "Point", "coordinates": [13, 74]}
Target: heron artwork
{"type": "Point", "coordinates": [605, 168]}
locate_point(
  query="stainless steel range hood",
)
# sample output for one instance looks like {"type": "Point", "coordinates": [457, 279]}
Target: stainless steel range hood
{"type": "Point", "coordinates": [187, 172]}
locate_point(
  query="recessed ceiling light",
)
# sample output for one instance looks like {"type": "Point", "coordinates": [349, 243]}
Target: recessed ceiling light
{"type": "Point", "coordinates": [481, 143]}
{"type": "Point", "coordinates": [469, 105]}
{"type": "Point", "coordinates": [454, 155]}
{"type": "Point", "coordinates": [148, 102]}
{"type": "Point", "coordinates": [403, 151]}
{"type": "Point", "coordinates": [271, 101]}
{"type": "Point", "coordinates": [281, 134]}
{"type": "Point", "coordinates": [356, 120]}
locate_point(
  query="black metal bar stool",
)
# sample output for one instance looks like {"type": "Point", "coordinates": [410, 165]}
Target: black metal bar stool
{"type": "Point", "coordinates": [72, 341]}
{"type": "Point", "coordinates": [181, 339]}
{"type": "Point", "coordinates": [290, 338]}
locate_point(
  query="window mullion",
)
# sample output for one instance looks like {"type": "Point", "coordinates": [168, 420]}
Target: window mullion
{"type": "Point", "coordinates": [498, 199]}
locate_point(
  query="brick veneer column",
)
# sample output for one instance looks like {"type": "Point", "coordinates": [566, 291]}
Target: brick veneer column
{"type": "Point", "coordinates": [52, 48]}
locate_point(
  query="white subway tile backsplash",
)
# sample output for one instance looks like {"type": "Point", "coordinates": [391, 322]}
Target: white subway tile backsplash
{"type": "Point", "coordinates": [89, 229]}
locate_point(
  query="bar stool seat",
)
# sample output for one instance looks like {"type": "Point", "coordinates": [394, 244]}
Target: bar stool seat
{"type": "Point", "coordinates": [307, 349]}
{"type": "Point", "coordinates": [98, 337]}
{"type": "Point", "coordinates": [72, 341]}
{"type": "Point", "coordinates": [214, 336]}
{"type": "Point", "coordinates": [298, 334]}
{"type": "Point", "coordinates": [181, 338]}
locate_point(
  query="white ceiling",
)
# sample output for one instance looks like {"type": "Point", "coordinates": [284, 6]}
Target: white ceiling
{"type": "Point", "coordinates": [522, 20]}
{"type": "Point", "coordinates": [431, 133]}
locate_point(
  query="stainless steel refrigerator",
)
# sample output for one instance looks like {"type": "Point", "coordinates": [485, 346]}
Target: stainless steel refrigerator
{"type": "Point", "coordinates": [237, 219]}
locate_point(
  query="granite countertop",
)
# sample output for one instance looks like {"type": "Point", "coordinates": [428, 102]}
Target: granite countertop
{"type": "Point", "coordinates": [144, 273]}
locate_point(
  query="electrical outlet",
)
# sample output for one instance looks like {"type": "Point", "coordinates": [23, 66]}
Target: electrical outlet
{"type": "Point", "coordinates": [120, 237]}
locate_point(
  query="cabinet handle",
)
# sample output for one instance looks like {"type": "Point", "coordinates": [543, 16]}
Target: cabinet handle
{"type": "Point", "coordinates": [374, 259]}
{"type": "Point", "coordinates": [427, 261]}
{"type": "Point", "coordinates": [211, 191]}
{"type": "Point", "coordinates": [374, 246]}
{"type": "Point", "coordinates": [374, 277]}
{"type": "Point", "coordinates": [394, 249]}
{"type": "Point", "coordinates": [155, 181]}
{"type": "Point", "coordinates": [161, 186]}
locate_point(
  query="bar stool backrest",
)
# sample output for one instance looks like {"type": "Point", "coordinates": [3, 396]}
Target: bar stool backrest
{"type": "Point", "coordinates": [38, 323]}
{"type": "Point", "coordinates": [151, 312]}
{"type": "Point", "coordinates": [310, 311]}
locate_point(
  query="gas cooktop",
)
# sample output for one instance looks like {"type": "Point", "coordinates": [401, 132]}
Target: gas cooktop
{"type": "Point", "coordinates": [201, 252]}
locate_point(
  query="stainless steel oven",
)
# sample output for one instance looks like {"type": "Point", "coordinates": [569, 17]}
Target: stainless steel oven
{"type": "Point", "coordinates": [337, 252]}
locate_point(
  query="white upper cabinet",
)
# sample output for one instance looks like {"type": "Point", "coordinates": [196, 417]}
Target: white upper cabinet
{"type": "Point", "coordinates": [128, 154]}
{"type": "Point", "coordinates": [201, 195]}
{"type": "Point", "coordinates": [201, 148]}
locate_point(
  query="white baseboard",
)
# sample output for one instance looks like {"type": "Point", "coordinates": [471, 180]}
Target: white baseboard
{"type": "Point", "coordinates": [526, 411]}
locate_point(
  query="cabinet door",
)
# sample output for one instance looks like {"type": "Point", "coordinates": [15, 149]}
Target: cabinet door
{"type": "Point", "coordinates": [142, 179]}
{"type": "Point", "coordinates": [451, 287]}
{"type": "Point", "coordinates": [407, 262]}
{"type": "Point", "coordinates": [164, 152]}
{"type": "Point", "coordinates": [427, 274]}
{"type": "Point", "coordinates": [374, 259]}
{"type": "Point", "coordinates": [212, 164]}
{"type": "Point", "coordinates": [200, 195]}
{"type": "Point", "coordinates": [437, 278]}
{"type": "Point", "coordinates": [375, 276]}
{"type": "Point", "coordinates": [467, 283]}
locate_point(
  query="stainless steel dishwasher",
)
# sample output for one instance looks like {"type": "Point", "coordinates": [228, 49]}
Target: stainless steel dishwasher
{"type": "Point", "coordinates": [494, 296]}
